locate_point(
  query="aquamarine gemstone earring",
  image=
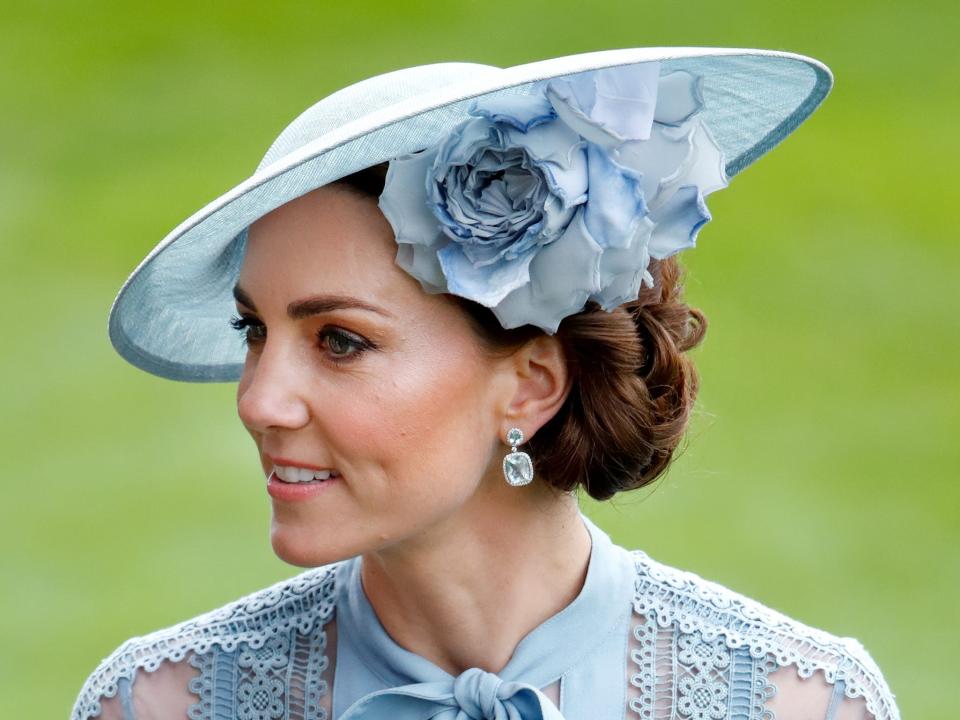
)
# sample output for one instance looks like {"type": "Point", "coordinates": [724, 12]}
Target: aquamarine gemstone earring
{"type": "Point", "coordinates": [517, 466]}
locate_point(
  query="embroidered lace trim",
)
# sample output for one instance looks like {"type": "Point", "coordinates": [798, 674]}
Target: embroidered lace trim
{"type": "Point", "coordinates": [717, 621]}
{"type": "Point", "coordinates": [715, 647]}
{"type": "Point", "coordinates": [683, 675]}
{"type": "Point", "coordinates": [281, 679]}
{"type": "Point", "coordinates": [298, 603]}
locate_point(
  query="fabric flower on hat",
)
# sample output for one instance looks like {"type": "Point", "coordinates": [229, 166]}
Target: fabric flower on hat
{"type": "Point", "coordinates": [541, 202]}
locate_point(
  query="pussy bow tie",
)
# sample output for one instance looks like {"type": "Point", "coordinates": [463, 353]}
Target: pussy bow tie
{"type": "Point", "coordinates": [473, 695]}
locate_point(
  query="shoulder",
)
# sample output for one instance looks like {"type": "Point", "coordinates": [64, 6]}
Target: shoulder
{"type": "Point", "coordinates": [673, 597]}
{"type": "Point", "coordinates": [301, 602]}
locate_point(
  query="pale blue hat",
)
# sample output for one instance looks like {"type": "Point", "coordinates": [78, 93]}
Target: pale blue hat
{"type": "Point", "coordinates": [171, 317]}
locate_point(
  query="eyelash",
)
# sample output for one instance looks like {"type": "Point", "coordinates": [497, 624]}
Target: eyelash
{"type": "Point", "coordinates": [243, 324]}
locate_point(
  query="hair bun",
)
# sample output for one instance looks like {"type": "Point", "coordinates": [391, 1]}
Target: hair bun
{"type": "Point", "coordinates": [634, 388]}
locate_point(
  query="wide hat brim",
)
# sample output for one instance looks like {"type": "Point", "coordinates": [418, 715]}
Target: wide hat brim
{"type": "Point", "coordinates": [171, 317]}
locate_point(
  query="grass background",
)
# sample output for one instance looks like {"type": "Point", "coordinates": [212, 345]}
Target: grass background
{"type": "Point", "coordinates": [821, 475]}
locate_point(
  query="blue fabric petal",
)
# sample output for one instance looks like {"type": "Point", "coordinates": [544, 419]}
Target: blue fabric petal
{"type": "Point", "coordinates": [680, 97]}
{"type": "Point", "coordinates": [486, 285]}
{"type": "Point", "coordinates": [422, 263]}
{"type": "Point", "coordinates": [660, 157]}
{"type": "Point", "coordinates": [558, 152]}
{"type": "Point", "coordinates": [579, 91]}
{"type": "Point", "coordinates": [556, 217]}
{"type": "Point", "coordinates": [462, 145]}
{"type": "Point", "coordinates": [608, 106]}
{"type": "Point", "coordinates": [464, 142]}
{"type": "Point", "coordinates": [563, 275]}
{"type": "Point", "coordinates": [482, 255]}
{"type": "Point", "coordinates": [622, 270]}
{"type": "Point", "coordinates": [702, 164]}
{"type": "Point", "coordinates": [615, 203]}
{"type": "Point", "coordinates": [626, 97]}
{"type": "Point", "coordinates": [552, 143]}
{"type": "Point", "coordinates": [520, 112]}
{"type": "Point", "coordinates": [568, 110]}
{"type": "Point", "coordinates": [404, 200]}
{"type": "Point", "coordinates": [707, 168]}
{"type": "Point", "coordinates": [678, 222]}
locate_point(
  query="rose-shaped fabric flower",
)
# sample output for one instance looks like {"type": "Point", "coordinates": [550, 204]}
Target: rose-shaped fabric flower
{"type": "Point", "coordinates": [541, 202]}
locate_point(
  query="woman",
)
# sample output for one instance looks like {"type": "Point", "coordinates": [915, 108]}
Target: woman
{"type": "Point", "coordinates": [460, 301]}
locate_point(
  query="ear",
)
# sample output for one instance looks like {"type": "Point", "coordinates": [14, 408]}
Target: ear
{"type": "Point", "coordinates": [543, 382]}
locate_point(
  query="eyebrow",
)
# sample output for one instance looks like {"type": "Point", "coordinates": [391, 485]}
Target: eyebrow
{"type": "Point", "coordinates": [314, 305]}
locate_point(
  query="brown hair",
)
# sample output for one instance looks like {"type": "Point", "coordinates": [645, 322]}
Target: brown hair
{"type": "Point", "coordinates": [633, 384]}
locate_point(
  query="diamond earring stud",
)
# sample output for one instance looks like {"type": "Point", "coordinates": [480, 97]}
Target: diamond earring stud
{"type": "Point", "coordinates": [517, 465]}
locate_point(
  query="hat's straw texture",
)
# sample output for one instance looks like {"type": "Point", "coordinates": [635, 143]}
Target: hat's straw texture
{"type": "Point", "coordinates": [171, 316]}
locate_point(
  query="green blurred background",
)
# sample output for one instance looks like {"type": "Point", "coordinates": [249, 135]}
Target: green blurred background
{"type": "Point", "coordinates": [821, 471]}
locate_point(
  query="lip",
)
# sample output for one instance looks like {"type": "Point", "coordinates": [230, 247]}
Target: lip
{"type": "Point", "coordinates": [287, 462]}
{"type": "Point", "coordinates": [297, 492]}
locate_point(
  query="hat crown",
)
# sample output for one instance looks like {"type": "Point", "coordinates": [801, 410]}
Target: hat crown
{"type": "Point", "coordinates": [357, 100]}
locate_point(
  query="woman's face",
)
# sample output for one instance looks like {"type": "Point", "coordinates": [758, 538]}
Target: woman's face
{"type": "Point", "coordinates": [352, 367]}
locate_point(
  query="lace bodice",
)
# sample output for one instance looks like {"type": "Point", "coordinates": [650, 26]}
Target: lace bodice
{"type": "Point", "coordinates": [667, 645]}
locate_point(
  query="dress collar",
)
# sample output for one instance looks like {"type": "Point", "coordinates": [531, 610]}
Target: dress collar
{"type": "Point", "coordinates": [368, 659]}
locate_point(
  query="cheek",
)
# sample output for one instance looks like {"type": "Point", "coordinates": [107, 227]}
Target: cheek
{"type": "Point", "coordinates": [426, 426]}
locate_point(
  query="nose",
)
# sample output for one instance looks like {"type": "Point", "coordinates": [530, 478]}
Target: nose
{"type": "Point", "coordinates": [269, 395]}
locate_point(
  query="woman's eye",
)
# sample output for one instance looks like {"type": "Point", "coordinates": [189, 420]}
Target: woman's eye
{"type": "Point", "coordinates": [342, 344]}
{"type": "Point", "coordinates": [254, 331]}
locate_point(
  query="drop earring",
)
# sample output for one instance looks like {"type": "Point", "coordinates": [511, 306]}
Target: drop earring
{"type": "Point", "coordinates": [517, 466]}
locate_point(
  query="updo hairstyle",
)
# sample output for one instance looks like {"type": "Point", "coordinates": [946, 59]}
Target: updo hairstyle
{"type": "Point", "coordinates": [633, 386]}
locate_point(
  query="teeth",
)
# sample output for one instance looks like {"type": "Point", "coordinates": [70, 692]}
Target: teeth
{"type": "Point", "coordinates": [291, 474]}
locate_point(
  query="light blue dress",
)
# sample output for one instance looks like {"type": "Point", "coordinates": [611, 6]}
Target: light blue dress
{"type": "Point", "coordinates": [641, 640]}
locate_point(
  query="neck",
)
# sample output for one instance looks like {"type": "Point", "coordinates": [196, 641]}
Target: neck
{"type": "Point", "coordinates": [465, 591]}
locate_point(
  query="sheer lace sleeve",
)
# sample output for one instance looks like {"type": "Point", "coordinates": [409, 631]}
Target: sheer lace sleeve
{"type": "Point", "coordinates": [852, 688]}
{"type": "Point", "coordinates": [261, 657]}
{"type": "Point", "coordinates": [163, 694]}
{"type": "Point", "coordinates": [797, 698]}
{"type": "Point", "coordinates": [701, 650]}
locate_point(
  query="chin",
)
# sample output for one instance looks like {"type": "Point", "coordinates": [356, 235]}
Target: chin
{"type": "Point", "coordinates": [297, 546]}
